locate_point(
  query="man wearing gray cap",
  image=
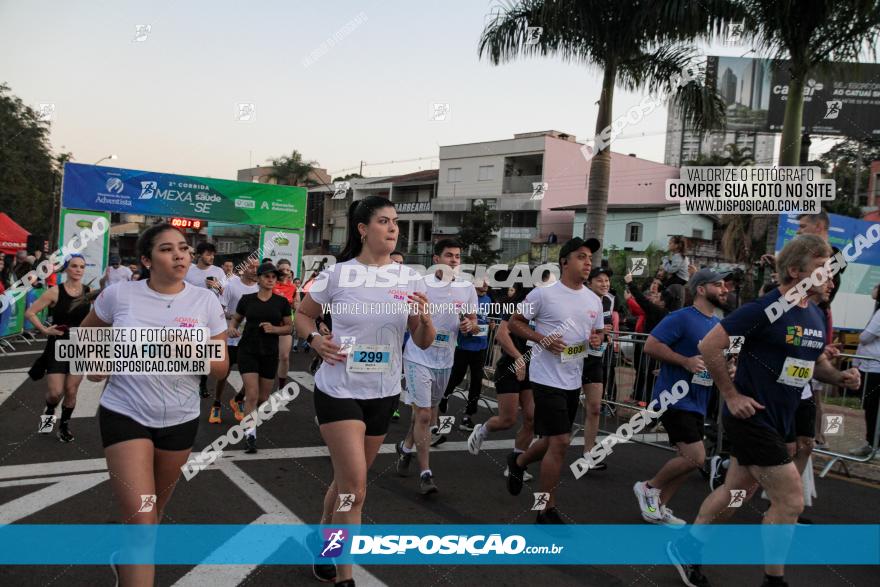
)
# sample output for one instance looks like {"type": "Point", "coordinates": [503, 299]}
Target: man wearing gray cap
{"type": "Point", "coordinates": [674, 343]}
{"type": "Point", "coordinates": [115, 272]}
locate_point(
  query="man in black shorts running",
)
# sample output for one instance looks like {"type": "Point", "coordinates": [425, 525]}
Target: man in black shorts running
{"type": "Point", "coordinates": [568, 318]}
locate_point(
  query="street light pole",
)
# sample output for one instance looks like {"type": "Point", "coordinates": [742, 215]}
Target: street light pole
{"type": "Point", "coordinates": [112, 157]}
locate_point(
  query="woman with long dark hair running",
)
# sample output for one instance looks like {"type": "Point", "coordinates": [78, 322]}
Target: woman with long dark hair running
{"type": "Point", "coordinates": [149, 422]}
{"type": "Point", "coordinates": [70, 304]}
{"type": "Point", "coordinates": [358, 384]}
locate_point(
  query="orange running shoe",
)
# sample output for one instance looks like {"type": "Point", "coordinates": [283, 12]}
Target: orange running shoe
{"type": "Point", "coordinates": [237, 409]}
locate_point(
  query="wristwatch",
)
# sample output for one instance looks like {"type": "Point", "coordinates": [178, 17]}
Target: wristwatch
{"type": "Point", "coordinates": [311, 336]}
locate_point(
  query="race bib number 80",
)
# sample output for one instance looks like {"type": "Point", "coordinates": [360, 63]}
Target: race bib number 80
{"type": "Point", "coordinates": [573, 352]}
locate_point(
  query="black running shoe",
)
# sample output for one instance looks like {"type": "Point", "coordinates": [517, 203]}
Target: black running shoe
{"type": "Point", "coordinates": [768, 583]}
{"type": "Point", "coordinates": [550, 516]}
{"type": "Point", "coordinates": [403, 460]}
{"type": "Point", "coordinates": [251, 442]}
{"type": "Point", "coordinates": [691, 575]}
{"type": "Point", "coordinates": [426, 484]}
{"type": "Point", "coordinates": [324, 572]}
{"type": "Point", "coordinates": [466, 424]}
{"type": "Point", "coordinates": [346, 583]}
{"type": "Point", "coordinates": [515, 475]}
{"type": "Point", "coordinates": [64, 434]}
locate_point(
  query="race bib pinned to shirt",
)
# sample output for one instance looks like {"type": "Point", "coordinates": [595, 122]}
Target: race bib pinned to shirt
{"type": "Point", "coordinates": [574, 351]}
{"type": "Point", "coordinates": [597, 352]}
{"type": "Point", "coordinates": [369, 358]}
{"type": "Point", "coordinates": [443, 339]}
{"type": "Point", "coordinates": [484, 330]}
{"type": "Point", "coordinates": [796, 372]}
{"type": "Point", "coordinates": [702, 378]}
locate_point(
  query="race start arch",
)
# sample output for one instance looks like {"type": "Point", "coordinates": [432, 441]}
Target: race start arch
{"type": "Point", "coordinates": [89, 192]}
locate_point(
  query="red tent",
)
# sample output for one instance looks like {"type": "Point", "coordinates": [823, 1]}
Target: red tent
{"type": "Point", "coordinates": [12, 236]}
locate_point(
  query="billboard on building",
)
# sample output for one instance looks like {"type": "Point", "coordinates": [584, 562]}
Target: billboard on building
{"type": "Point", "coordinates": [842, 100]}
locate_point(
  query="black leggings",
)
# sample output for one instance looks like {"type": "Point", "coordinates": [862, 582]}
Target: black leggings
{"type": "Point", "coordinates": [464, 360]}
{"type": "Point", "coordinates": [872, 403]}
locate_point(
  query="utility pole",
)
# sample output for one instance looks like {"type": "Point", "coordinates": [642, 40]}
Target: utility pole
{"type": "Point", "coordinates": [858, 174]}
{"type": "Point", "coordinates": [361, 172]}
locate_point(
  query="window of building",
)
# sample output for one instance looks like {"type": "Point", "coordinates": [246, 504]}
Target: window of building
{"type": "Point", "coordinates": [487, 173]}
{"type": "Point", "coordinates": [634, 232]}
{"type": "Point", "coordinates": [697, 233]}
{"type": "Point", "coordinates": [453, 174]}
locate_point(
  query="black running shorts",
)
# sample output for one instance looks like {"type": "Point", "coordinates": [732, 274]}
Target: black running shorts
{"type": "Point", "coordinates": [754, 444]}
{"type": "Point", "coordinates": [116, 427]}
{"type": "Point", "coordinates": [265, 365]}
{"type": "Point", "coordinates": [375, 413]}
{"type": "Point", "coordinates": [683, 426]}
{"type": "Point", "coordinates": [555, 409]}
{"type": "Point", "coordinates": [594, 371]}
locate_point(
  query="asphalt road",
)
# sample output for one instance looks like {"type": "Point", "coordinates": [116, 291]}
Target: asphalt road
{"type": "Point", "coordinates": [43, 481]}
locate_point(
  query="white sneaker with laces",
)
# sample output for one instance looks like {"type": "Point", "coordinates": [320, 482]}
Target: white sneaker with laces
{"type": "Point", "coordinates": [649, 502]}
{"type": "Point", "coordinates": [861, 451]}
{"type": "Point", "coordinates": [475, 440]}
{"type": "Point", "coordinates": [669, 519]}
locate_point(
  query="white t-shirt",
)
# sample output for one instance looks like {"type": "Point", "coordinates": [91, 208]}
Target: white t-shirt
{"type": "Point", "coordinates": [871, 349]}
{"type": "Point", "coordinates": [197, 276]}
{"type": "Point", "coordinates": [574, 313]}
{"type": "Point", "coordinates": [232, 293]}
{"type": "Point", "coordinates": [453, 298]}
{"type": "Point", "coordinates": [121, 273]}
{"type": "Point", "coordinates": [353, 317]}
{"type": "Point", "coordinates": [157, 401]}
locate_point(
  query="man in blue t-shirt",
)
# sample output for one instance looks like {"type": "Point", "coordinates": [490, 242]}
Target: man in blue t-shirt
{"type": "Point", "coordinates": [470, 354]}
{"type": "Point", "coordinates": [782, 350]}
{"type": "Point", "coordinates": [674, 343]}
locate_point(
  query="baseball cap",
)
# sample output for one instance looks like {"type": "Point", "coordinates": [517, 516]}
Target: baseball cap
{"type": "Point", "coordinates": [704, 276]}
{"type": "Point", "coordinates": [267, 268]}
{"type": "Point", "coordinates": [576, 243]}
{"type": "Point", "coordinates": [600, 270]}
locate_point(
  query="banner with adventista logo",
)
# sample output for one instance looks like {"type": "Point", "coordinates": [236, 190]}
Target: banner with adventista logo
{"type": "Point", "coordinates": [279, 243]}
{"type": "Point", "coordinates": [112, 189]}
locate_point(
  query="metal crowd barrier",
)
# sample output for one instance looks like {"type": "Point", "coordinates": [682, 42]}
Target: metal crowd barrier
{"type": "Point", "coordinates": [840, 396]}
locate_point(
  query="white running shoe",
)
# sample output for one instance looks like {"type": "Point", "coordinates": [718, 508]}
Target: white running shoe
{"type": "Point", "coordinates": [475, 440]}
{"type": "Point", "coordinates": [669, 519]}
{"type": "Point", "coordinates": [861, 451]}
{"type": "Point", "coordinates": [526, 475]}
{"type": "Point", "coordinates": [649, 502]}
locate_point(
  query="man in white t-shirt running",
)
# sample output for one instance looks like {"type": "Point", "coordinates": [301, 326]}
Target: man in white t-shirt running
{"type": "Point", "coordinates": [232, 293]}
{"type": "Point", "coordinates": [568, 318]}
{"type": "Point", "coordinates": [115, 272]}
{"type": "Point", "coordinates": [427, 370]}
{"type": "Point", "coordinates": [203, 273]}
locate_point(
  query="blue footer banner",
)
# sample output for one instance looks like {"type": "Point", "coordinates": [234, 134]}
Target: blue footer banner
{"type": "Point", "coordinates": [181, 544]}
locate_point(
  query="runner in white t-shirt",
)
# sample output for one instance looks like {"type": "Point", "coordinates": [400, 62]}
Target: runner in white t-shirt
{"type": "Point", "coordinates": [374, 301]}
{"type": "Point", "coordinates": [203, 273]}
{"type": "Point", "coordinates": [149, 422]}
{"type": "Point", "coordinates": [236, 287]}
{"type": "Point", "coordinates": [427, 370]}
{"type": "Point", "coordinates": [115, 272]}
{"type": "Point", "coordinates": [568, 319]}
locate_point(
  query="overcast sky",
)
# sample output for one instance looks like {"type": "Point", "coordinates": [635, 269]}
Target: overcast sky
{"type": "Point", "coordinates": [169, 101]}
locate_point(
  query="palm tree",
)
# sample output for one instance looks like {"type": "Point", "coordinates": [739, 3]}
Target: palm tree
{"type": "Point", "coordinates": [636, 44]}
{"type": "Point", "coordinates": [293, 170]}
{"type": "Point", "coordinates": [810, 35]}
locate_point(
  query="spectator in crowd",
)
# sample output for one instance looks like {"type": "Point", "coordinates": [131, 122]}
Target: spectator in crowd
{"type": "Point", "coordinates": [675, 265]}
{"type": "Point", "coordinates": [228, 269]}
{"type": "Point", "coordinates": [115, 272]}
{"type": "Point", "coordinates": [21, 266]}
{"type": "Point", "coordinates": [656, 307]}
{"type": "Point", "coordinates": [869, 346]}
{"type": "Point", "coordinates": [4, 274]}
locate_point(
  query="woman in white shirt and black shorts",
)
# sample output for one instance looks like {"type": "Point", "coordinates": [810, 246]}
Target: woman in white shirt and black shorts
{"type": "Point", "coordinates": [149, 422]}
{"type": "Point", "coordinates": [358, 385]}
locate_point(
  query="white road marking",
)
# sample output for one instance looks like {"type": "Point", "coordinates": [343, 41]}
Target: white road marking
{"type": "Point", "coordinates": [9, 382]}
{"type": "Point", "coordinates": [62, 488]}
{"type": "Point", "coordinates": [276, 513]}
